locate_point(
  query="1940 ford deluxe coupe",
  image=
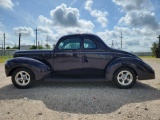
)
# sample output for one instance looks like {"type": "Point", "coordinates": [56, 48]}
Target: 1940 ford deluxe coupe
{"type": "Point", "coordinates": [78, 57]}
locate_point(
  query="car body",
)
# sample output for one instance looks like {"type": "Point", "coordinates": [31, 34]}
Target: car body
{"type": "Point", "coordinates": [77, 57]}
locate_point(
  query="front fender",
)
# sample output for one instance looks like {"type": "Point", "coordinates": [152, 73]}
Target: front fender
{"type": "Point", "coordinates": [39, 68]}
{"type": "Point", "coordinates": [141, 69]}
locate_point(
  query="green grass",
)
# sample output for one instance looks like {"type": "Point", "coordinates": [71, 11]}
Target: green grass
{"type": "Point", "coordinates": [147, 56]}
{"type": "Point", "coordinates": [4, 58]}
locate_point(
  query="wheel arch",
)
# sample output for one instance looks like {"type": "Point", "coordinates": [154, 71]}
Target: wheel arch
{"type": "Point", "coordinates": [18, 67]}
{"type": "Point", "coordinates": [38, 68]}
{"type": "Point", "coordinates": [124, 62]}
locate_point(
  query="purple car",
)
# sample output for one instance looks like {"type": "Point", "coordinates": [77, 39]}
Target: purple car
{"type": "Point", "coordinates": [78, 57]}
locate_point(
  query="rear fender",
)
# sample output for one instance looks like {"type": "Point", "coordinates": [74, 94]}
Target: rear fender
{"type": "Point", "coordinates": [122, 62]}
{"type": "Point", "coordinates": [39, 68]}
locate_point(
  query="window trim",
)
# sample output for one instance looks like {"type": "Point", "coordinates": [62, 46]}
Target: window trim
{"type": "Point", "coordinates": [68, 49]}
{"type": "Point", "coordinates": [89, 48]}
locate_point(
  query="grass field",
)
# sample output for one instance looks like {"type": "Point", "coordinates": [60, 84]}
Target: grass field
{"type": "Point", "coordinates": [147, 56]}
{"type": "Point", "coordinates": [4, 58]}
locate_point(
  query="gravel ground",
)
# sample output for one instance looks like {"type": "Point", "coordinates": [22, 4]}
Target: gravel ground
{"type": "Point", "coordinates": [81, 101]}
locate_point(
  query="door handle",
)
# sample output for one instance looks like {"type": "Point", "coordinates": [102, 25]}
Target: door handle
{"type": "Point", "coordinates": [84, 59]}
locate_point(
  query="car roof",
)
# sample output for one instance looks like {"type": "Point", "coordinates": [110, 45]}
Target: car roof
{"type": "Point", "coordinates": [83, 34]}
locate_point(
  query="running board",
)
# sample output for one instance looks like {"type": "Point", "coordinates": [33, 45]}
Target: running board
{"type": "Point", "coordinates": [60, 79]}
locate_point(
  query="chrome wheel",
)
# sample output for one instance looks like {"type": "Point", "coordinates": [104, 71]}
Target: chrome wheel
{"type": "Point", "coordinates": [125, 77]}
{"type": "Point", "coordinates": [22, 78]}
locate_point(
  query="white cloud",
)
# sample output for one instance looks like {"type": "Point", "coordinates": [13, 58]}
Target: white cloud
{"type": "Point", "coordinates": [25, 31]}
{"type": "Point", "coordinates": [9, 42]}
{"type": "Point", "coordinates": [139, 25]}
{"type": "Point", "coordinates": [44, 29]}
{"type": "Point", "coordinates": [101, 16]}
{"type": "Point", "coordinates": [139, 14]}
{"type": "Point", "coordinates": [133, 42]}
{"type": "Point", "coordinates": [64, 20]}
{"type": "Point", "coordinates": [64, 16]}
{"type": "Point", "coordinates": [88, 5]}
{"type": "Point", "coordinates": [55, 33]}
{"type": "Point", "coordinates": [9, 39]}
{"type": "Point", "coordinates": [134, 39]}
{"type": "Point", "coordinates": [44, 21]}
{"type": "Point", "coordinates": [68, 17]}
{"type": "Point", "coordinates": [72, 30]}
{"type": "Point", "coordinates": [129, 5]}
{"type": "Point", "coordinates": [84, 24]}
{"type": "Point", "coordinates": [7, 4]}
{"type": "Point", "coordinates": [140, 19]}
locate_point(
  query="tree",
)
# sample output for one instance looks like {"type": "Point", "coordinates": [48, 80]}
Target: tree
{"type": "Point", "coordinates": [8, 47]}
{"type": "Point", "coordinates": [48, 46]}
{"type": "Point", "coordinates": [33, 47]}
{"type": "Point", "coordinates": [15, 47]}
{"type": "Point", "coordinates": [154, 49]}
{"type": "Point", "coordinates": [40, 47]}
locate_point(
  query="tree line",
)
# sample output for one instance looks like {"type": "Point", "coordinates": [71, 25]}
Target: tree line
{"type": "Point", "coordinates": [32, 47]}
{"type": "Point", "coordinates": [155, 49]}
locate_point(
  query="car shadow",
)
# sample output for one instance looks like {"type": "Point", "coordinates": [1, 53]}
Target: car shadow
{"type": "Point", "coordinates": [84, 98]}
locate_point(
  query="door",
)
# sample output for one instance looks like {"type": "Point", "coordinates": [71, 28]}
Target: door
{"type": "Point", "coordinates": [68, 57]}
{"type": "Point", "coordinates": [94, 59]}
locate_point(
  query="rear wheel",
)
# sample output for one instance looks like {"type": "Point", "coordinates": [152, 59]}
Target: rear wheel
{"type": "Point", "coordinates": [124, 78]}
{"type": "Point", "coordinates": [22, 78]}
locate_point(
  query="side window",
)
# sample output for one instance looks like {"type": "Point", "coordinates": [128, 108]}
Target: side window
{"type": "Point", "coordinates": [70, 43]}
{"type": "Point", "coordinates": [89, 44]}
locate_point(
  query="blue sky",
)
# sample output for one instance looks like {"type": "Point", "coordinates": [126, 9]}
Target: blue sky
{"type": "Point", "coordinates": [137, 20]}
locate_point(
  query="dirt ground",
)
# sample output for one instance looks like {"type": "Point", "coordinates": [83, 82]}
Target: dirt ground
{"type": "Point", "coordinates": [81, 101]}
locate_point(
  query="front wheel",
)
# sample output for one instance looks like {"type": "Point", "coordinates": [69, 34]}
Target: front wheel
{"type": "Point", "coordinates": [124, 78]}
{"type": "Point", "coordinates": [22, 78]}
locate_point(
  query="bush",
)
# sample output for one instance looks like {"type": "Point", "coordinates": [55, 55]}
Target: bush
{"type": "Point", "coordinates": [154, 49]}
{"type": "Point", "coordinates": [8, 47]}
{"type": "Point", "coordinates": [39, 47]}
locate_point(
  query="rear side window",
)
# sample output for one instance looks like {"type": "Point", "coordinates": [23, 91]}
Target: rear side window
{"type": "Point", "coordinates": [89, 44]}
{"type": "Point", "coordinates": [71, 43]}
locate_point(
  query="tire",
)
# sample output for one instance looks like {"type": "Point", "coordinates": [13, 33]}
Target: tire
{"type": "Point", "coordinates": [22, 78]}
{"type": "Point", "coordinates": [124, 78]}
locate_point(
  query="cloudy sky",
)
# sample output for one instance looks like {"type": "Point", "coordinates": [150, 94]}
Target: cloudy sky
{"type": "Point", "coordinates": [137, 20]}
